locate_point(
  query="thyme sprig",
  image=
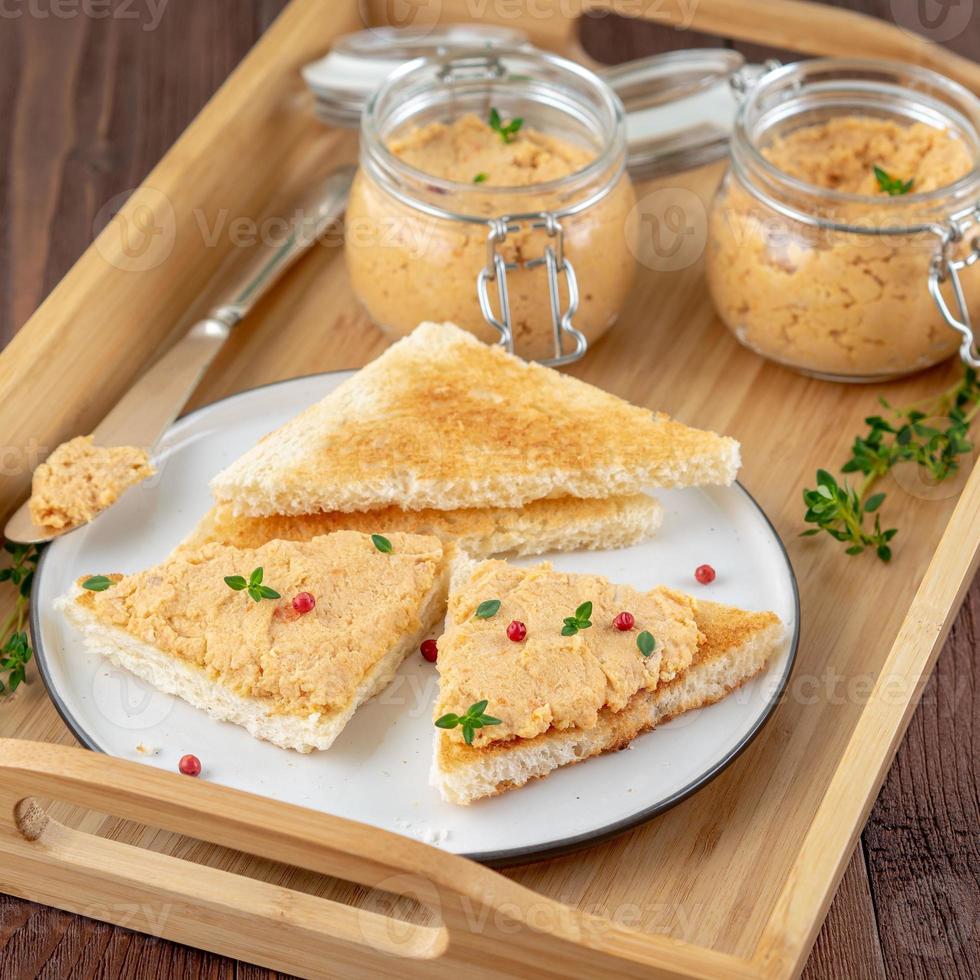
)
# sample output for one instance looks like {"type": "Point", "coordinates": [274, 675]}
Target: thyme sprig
{"type": "Point", "coordinates": [892, 186]}
{"type": "Point", "coordinates": [474, 718]}
{"type": "Point", "coordinates": [507, 132]}
{"type": "Point", "coordinates": [253, 585]}
{"type": "Point", "coordinates": [582, 620]}
{"type": "Point", "coordinates": [15, 643]}
{"type": "Point", "coordinates": [907, 435]}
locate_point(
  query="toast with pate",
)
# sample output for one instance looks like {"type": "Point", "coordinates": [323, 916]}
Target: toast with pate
{"type": "Point", "coordinates": [560, 524]}
{"type": "Point", "coordinates": [293, 678]}
{"type": "Point", "coordinates": [556, 699]}
{"type": "Point", "coordinates": [444, 421]}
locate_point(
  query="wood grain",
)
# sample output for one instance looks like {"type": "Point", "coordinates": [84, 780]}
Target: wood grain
{"type": "Point", "coordinates": [914, 909]}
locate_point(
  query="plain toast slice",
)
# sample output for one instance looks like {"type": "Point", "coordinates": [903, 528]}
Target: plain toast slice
{"type": "Point", "coordinates": [442, 420]}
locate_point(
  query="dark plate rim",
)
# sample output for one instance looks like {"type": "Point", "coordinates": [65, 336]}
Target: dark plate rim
{"type": "Point", "coordinates": [500, 858]}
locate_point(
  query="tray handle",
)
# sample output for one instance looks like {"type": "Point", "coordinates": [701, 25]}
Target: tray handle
{"type": "Point", "coordinates": [478, 919]}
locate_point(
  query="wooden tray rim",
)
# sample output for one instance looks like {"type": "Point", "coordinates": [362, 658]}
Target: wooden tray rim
{"type": "Point", "coordinates": [35, 767]}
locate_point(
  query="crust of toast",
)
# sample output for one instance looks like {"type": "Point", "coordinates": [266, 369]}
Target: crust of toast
{"type": "Point", "coordinates": [561, 524]}
{"type": "Point", "coordinates": [286, 677]}
{"type": "Point", "coordinates": [737, 646]}
{"type": "Point", "coordinates": [171, 675]}
{"type": "Point", "coordinates": [442, 420]}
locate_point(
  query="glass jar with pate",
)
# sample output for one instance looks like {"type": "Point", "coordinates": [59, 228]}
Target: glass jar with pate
{"type": "Point", "coordinates": [492, 191]}
{"type": "Point", "coordinates": [837, 238]}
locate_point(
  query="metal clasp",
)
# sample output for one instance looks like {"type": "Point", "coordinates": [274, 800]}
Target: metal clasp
{"type": "Point", "coordinates": [945, 267]}
{"type": "Point", "coordinates": [555, 265]}
{"type": "Point", "coordinates": [747, 77]}
{"type": "Point", "coordinates": [472, 67]}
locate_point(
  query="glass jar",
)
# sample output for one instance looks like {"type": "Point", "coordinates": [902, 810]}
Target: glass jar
{"type": "Point", "coordinates": [840, 284]}
{"type": "Point", "coordinates": [543, 267]}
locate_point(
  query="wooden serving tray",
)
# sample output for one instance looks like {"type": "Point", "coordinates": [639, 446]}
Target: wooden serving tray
{"type": "Point", "coordinates": [735, 881]}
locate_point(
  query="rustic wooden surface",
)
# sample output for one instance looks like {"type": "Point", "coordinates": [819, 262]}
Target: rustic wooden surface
{"type": "Point", "coordinates": [91, 104]}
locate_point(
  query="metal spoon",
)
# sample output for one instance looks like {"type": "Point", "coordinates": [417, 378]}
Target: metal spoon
{"type": "Point", "coordinates": [148, 409]}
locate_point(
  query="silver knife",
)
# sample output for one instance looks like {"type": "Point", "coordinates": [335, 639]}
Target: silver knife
{"type": "Point", "coordinates": [150, 406]}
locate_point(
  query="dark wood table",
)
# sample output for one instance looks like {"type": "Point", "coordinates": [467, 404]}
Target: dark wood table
{"type": "Point", "coordinates": [90, 103]}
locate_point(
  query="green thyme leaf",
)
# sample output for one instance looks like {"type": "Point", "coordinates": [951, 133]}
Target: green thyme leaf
{"type": "Point", "coordinates": [481, 178]}
{"type": "Point", "coordinates": [97, 583]}
{"type": "Point", "coordinates": [932, 435]}
{"type": "Point", "coordinates": [486, 609]}
{"type": "Point", "coordinates": [253, 585]}
{"type": "Point", "coordinates": [580, 621]}
{"type": "Point", "coordinates": [381, 543]}
{"type": "Point", "coordinates": [260, 592]}
{"type": "Point", "coordinates": [508, 133]}
{"type": "Point", "coordinates": [873, 502]}
{"type": "Point", "coordinates": [892, 186]}
{"type": "Point", "coordinates": [474, 719]}
{"type": "Point", "coordinates": [646, 643]}
{"type": "Point", "coordinates": [15, 643]}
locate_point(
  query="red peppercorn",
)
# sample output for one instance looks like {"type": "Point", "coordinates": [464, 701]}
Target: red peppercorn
{"type": "Point", "coordinates": [429, 650]}
{"type": "Point", "coordinates": [190, 765]}
{"type": "Point", "coordinates": [303, 602]}
{"type": "Point", "coordinates": [516, 631]}
{"type": "Point", "coordinates": [624, 621]}
{"type": "Point", "coordinates": [705, 574]}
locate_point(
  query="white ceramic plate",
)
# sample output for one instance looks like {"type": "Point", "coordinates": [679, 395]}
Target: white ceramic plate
{"type": "Point", "coordinates": [377, 771]}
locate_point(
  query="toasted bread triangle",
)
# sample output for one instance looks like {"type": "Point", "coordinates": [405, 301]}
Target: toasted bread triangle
{"type": "Point", "coordinates": [734, 646]}
{"type": "Point", "coordinates": [442, 420]}
{"type": "Point", "coordinates": [292, 678]}
{"type": "Point", "coordinates": [558, 524]}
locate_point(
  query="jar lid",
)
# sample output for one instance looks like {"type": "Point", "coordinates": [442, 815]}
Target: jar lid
{"type": "Point", "coordinates": [358, 63]}
{"type": "Point", "coordinates": [680, 107]}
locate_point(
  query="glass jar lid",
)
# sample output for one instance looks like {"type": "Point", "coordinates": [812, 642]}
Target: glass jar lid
{"type": "Point", "coordinates": [680, 106]}
{"type": "Point", "coordinates": [354, 68]}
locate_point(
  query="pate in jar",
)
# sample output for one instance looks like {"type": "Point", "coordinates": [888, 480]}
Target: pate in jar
{"type": "Point", "coordinates": [837, 236]}
{"type": "Point", "coordinates": [492, 192]}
